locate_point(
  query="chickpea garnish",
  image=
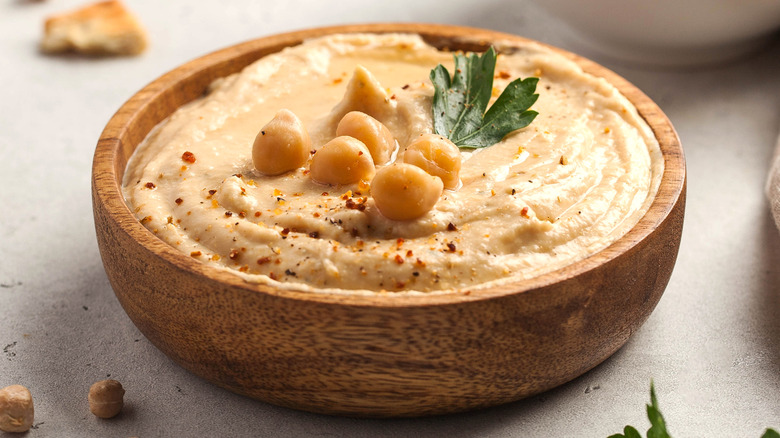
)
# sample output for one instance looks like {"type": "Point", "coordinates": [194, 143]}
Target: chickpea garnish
{"type": "Point", "coordinates": [343, 160]}
{"type": "Point", "coordinates": [106, 398]}
{"type": "Point", "coordinates": [403, 191]}
{"type": "Point", "coordinates": [373, 133]}
{"type": "Point", "coordinates": [281, 145]}
{"type": "Point", "coordinates": [437, 156]}
{"type": "Point", "coordinates": [16, 409]}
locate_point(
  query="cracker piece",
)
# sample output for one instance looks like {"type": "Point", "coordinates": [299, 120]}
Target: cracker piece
{"type": "Point", "coordinates": [103, 28]}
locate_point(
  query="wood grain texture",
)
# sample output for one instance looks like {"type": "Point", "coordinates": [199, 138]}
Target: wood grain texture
{"type": "Point", "coordinates": [378, 355]}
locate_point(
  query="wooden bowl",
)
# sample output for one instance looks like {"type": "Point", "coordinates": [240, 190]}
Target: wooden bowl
{"type": "Point", "coordinates": [378, 355]}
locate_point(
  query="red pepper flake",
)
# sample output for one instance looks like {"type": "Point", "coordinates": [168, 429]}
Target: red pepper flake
{"type": "Point", "coordinates": [503, 75]}
{"type": "Point", "coordinates": [228, 213]}
{"type": "Point", "coordinates": [258, 214]}
{"type": "Point", "coordinates": [314, 234]}
{"type": "Point", "coordinates": [146, 219]}
{"type": "Point", "coordinates": [234, 253]}
{"type": "Point", "coordinates": [263, 260]}
{"type": "Point", "coordinates": [399, 242]}
{"type": "Point", "coordinates": [337, 81]}
{"type": "Point", "coordinates": [242, 214]}
{"type": "Point", "coordinates": [244, 268]}
{"type": "Point", "coordinates": [150, 185]}
{"type": "Point", "coordinates": [272, 276]}
{"type": "Point", "coordinates": [451, 247]}
{"type": "Point", "coordinates": [524, 212]}
{"type": "Point", "coordinates": [315, 214]}
{"type": "Point", "coordinates": [451, 227]}
{"type": "Point", "coordinates": [398, 259]}
{"type": "Point", "coordinates": [285, 231]}
{"type": "Point", "coordinates": [188, 157]}
{"type": "Point", "coordinates": [419, 263]}
{"type": "Point", "coordinates": [278, 261]}
{"type": "Point", "coordinates": [211, 192]}
{"type": "Point", "coordinates": [409, 253]}
{"type": "Point", "coordinates": [360, 205]}
{"type": "Point", "coordinates": [178, 201]}
{"type": "Point", "coordinates": [324, 193]}
{"type": "Point", "coordinates": [195, 254]}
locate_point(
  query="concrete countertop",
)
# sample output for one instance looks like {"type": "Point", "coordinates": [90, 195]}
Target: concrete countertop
{"type": "Point", "coordinates": [712, 346]}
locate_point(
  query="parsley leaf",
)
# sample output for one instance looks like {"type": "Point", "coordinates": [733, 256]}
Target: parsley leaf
{"type": "Point", "coordinates": [770, 433]}
{"type": "Point", "coordinates": [658, 425]}
{"type": "Point", "coordinates": [460, 101]}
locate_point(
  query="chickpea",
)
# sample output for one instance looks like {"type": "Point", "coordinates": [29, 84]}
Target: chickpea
{"type": "Point", "coordinates": [106, 398]}
{"type": "Point", "coordinates": [403, 191]}
{"type": "Point", "coordinates": [373, 133]}
{"type": "Point", "coordinates": [343, 160]}
{"type": "Point", "coordinates": [281, 145]}
{"type": "Point", "coordinates": [437, 156]}
{"type": "Point", "coordinates": [16, 409]}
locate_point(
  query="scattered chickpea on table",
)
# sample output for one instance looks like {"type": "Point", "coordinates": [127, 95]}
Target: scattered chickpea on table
{"type": "Point", "coordinates": [106, 398]}
{"type": "Point", "coordinates": [16, 409]}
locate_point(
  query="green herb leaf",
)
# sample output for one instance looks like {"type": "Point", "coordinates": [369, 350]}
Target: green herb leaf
{"type": "Point", "coordinates": [770, 433]}
{"type": "Point", "coordinates": [658, 425]}
{"type": "Point", "coordinates": [460, 101]}
{"type": "Point", "coordinates": [628, 432]}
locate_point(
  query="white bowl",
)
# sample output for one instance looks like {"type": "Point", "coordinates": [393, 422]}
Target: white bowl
{"type": "Point", "coordinates": [669, 32]}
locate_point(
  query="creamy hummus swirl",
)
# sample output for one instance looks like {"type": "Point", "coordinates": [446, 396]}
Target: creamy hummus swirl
{"type": "Point", "coordinates": [575, 180]}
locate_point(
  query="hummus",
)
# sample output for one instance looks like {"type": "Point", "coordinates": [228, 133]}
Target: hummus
{"type": "Point", "coordinates": [574, 181]}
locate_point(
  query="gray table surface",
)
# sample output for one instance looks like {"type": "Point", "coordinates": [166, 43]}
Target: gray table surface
{"type": "Point", "coordinates": [712, 345]}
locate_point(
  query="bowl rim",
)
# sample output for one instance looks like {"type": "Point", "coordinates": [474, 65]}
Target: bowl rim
{"type": "Point", "coordinates": [107, 171]}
